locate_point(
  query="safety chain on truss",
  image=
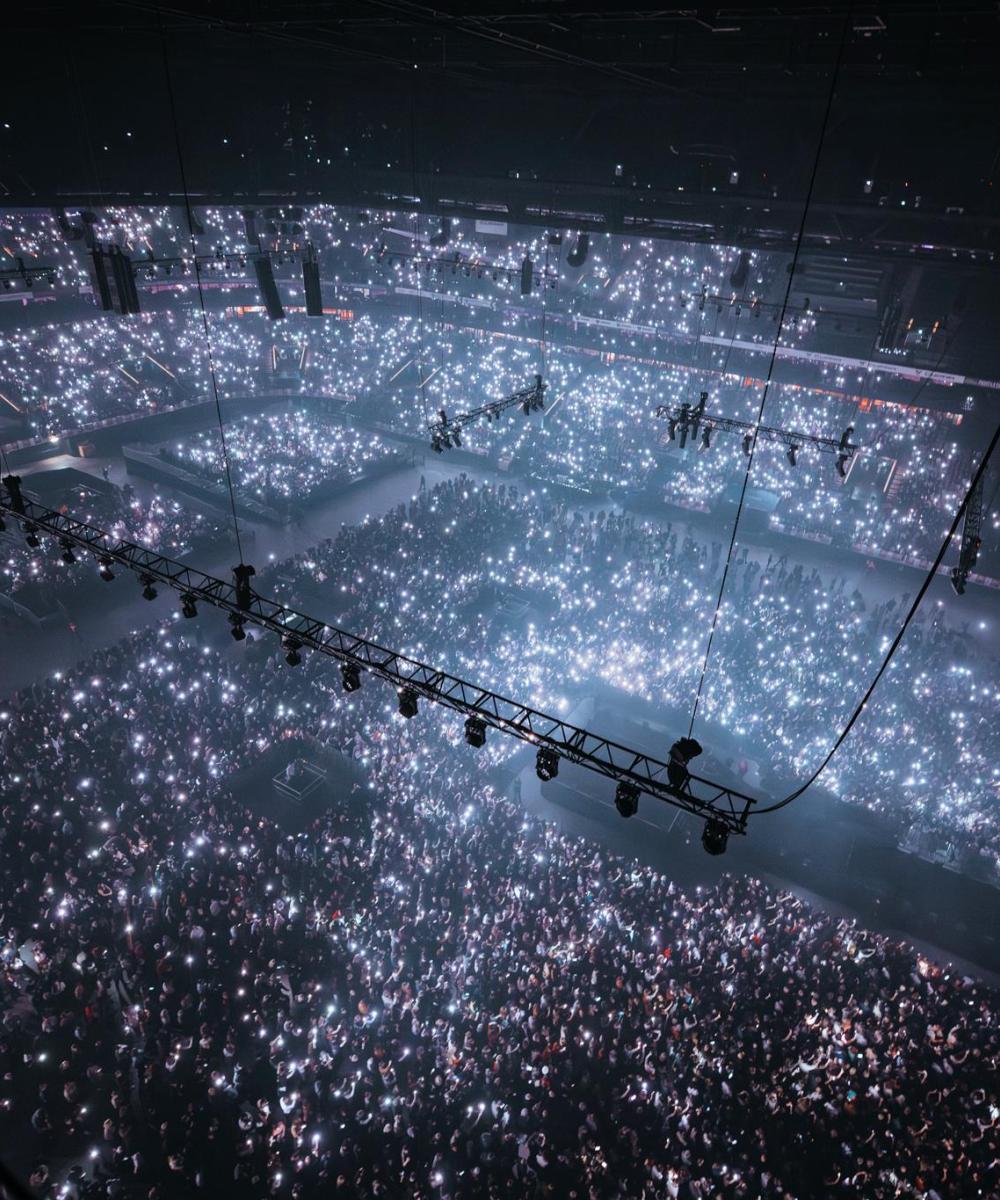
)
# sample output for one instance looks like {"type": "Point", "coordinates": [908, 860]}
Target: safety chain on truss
{"type": "Point", "coordinates": [688, 420]}
{"type": "Point", "coordinates": [447, 431]}
{"type": "Point", "coordinates": [722, 807]}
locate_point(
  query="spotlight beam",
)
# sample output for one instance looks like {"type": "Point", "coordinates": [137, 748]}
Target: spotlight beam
{"type": "Point", "coordinates": [700, 797]}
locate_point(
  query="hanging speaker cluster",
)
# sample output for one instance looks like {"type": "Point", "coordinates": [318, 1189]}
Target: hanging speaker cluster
{"type": "Point", "coordinates": [578, 255]}
{"type": "Point", "coordinates": [268, 288]}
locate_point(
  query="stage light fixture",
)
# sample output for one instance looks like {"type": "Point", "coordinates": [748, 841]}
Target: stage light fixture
{"type": "Point", "coordinates": [672, 428]}
{"type": "Point", "coordinates": [792, 453]}
{"type": "Point", "coordinates": [237, 631]}
{"type": "Point", "coordinates": [842, 461]}
{"type": "Point", "coordinates": [456, 437]}
{"type": "Point", "coordinates": [31, 536]}
{"type": "Point", "coordinates": [189, 607]}
{"type": "Point", "coordinates": [546, 764]}
{"type": "Point", "coordinates": [714, 836]}
{"type": "Point", "coordinates": [436, 444]}
{"type": "Point", "coordinates": [350, 677]}
{"type": "Point", "coordinates": [105, 572]}
{"type": "Point", "coordinates": [684, 437]}
{"type": "Point", "coordinates": [291, 647]}
{"type": "Point", "coordinates": [957, 578]}
{"type": "Point", "coordinates": [706, 438]}
{"type": "Point", "coordinates": [475, 731]}
{"type": "Point", "coordinates": [407, 703]}
{"type": "Point", "coordinates": [747, 445]}
{"type": "Point", "coordinates": [627, 798]}
{"type": "Point", "coordinates": [148, 591]}
{"type": "Point", "coordinates": [67, 555]}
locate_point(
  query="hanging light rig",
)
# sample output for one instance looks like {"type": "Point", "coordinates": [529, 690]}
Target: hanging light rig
{"type": "Point", "coordinates": [553, 739]}
{"type": "Point", "coordinates": [687, 420]}
{"type": "Point", "coordinates": [447, 431]}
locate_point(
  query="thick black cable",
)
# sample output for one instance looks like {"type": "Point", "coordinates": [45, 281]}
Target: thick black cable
{"type": "Point", "coordinates": [201, 292]}
{"type": "Point", "coordinates": [545, 280]}
{"type": "Point", "coordinates": [980, 472]}
{"type": "Point", "coordinates": [12, 1187]}
{"type": "Point", "coordinates": [770, 366]}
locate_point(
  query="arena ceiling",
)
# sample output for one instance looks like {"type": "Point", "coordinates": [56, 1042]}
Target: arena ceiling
{"type": "Point", "coordinates": [697, 122]}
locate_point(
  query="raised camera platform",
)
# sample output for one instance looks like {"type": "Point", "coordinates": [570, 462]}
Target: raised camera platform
{"type": "Point", "coordinates": [299, 780]}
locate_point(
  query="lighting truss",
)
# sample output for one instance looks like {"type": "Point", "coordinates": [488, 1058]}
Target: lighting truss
{"type": "Point", "coordinates": [26, 275]}
{"type": "Point", "coordinates": [754, 304]}
{"type": "Point", "coordinates": [446, 431]}
{"type": "Point", "coordinates": [218, 261]}
{"type": "Point", "coordinates": [688, 419]}
{"type": "Point", "coordinates": [455, 263]}
{"type": "Point", "coordinates": [700, 797]}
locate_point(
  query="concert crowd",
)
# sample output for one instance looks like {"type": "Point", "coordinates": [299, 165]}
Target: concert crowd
{"type": "Point", "coordinates": [424, 992]}
{"type": "Point", "coordinates": [282, 456]}
{"type": "Point", "coordinates": [393, 372]}
{"type": "Point", "coordinates": [37, 577]}
{"type": "Point", "coordinates": [622, 604]}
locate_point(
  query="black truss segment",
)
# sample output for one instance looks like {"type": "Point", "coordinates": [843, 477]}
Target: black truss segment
{"type": "Point", "coordinates": [699, 796]}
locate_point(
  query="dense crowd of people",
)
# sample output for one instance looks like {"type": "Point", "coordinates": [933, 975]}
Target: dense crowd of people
{"type": "Point", "coordinates": [602, 435]}
{"type": "Point", "coordinates": [283, 456]}
{"type": "Point", "coordinates": [416, 337]}
{"type": "Point", "coordinates": [37, 576]}
{"type": "Point", "coordinates": [626, 604]}
{"type": "Point", "coordinates": [424, 992]}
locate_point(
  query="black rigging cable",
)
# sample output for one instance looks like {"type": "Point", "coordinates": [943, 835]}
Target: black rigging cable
{"type": "Point", "coordinates": [980, 472]}
{"type": "Point", "coordinates": [422, 380]}
{"type": "Point", "coordinates": [773, 359]}
{"type": "Point", "coordinates": [545, 279]}
{"type": "Point", "coordinates": [201, 293]}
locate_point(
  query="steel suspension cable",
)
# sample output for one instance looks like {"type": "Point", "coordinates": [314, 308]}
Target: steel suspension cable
{"type": "Point", "coordinates": [201, 292]}
{"type": "Point", "coordinates": [928, 579]}
{"type": "Point", "coordinates": [773, 359]}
